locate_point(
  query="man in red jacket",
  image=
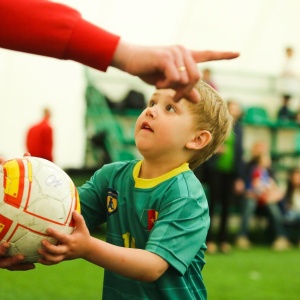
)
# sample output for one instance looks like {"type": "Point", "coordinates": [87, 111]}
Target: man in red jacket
{"type": "Point", "coordinates": [39, 139]}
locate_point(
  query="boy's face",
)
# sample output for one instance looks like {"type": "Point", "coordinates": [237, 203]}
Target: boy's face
{"type": "Point", "coordinates": [164, 127]}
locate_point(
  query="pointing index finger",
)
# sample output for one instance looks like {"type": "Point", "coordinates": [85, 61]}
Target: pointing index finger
{"type": "Point", "coordinates": [201, 56]}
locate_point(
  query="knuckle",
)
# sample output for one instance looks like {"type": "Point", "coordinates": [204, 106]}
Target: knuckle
{"type": "Point", "coordinates": [180, 48]}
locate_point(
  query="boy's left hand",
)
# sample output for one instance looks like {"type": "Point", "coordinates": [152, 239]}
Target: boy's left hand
{"type": "Point", "coordinates": [69, 246]}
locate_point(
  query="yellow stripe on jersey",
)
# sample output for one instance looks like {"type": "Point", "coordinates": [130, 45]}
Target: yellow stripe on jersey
{"type": "Point", "coordinates": [150, 183]}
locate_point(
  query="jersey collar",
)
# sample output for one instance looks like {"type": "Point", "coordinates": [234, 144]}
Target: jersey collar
{"type": "Point", "coordinates": [150, 183]}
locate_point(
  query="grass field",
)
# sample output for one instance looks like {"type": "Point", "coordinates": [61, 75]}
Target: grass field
{"type": "Point", "coordinates": [258, 274]}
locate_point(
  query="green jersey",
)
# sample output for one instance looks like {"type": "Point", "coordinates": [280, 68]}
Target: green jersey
{"type": "Point", "coordinates": [167, 215]}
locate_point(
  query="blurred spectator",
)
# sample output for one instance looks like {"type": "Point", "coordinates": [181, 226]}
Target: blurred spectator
{"type": "Point", "coordinates": [285, 113]}
{"type": "Point", "coordinates": [222, 175]}
{"type": "Point", "coordinates": [39, 139]}
{"type": "Point", "coordinates": [261, 192]}
{"type": "Point", "coordinates": [289, 79]}
{"type": "Point", "coordinates": [292, 202]}
{"type": "Point", "coordinates": [297, 117]}
{"type": "Point", "coordinates": [207, 77]}
{"type": "Point", "coordinates": [263, 187]}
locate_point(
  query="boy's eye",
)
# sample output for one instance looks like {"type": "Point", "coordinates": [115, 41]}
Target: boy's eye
{"type": "Point", "coordinates": [170, 108]}
{"type": "Point", "coordinates": [151, 103]}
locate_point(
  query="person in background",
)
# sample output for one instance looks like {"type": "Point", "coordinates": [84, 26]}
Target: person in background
{"type": "Point", "coordinates": [285, 113]}
{"type": "Point", "coordinates": [59, 31]}
{"type": "Point", "coordinates": [207, 77]}
{"type": "Point", "coordinates": [292, 203]}
{"type": "Point", "coordinates": [261, 191]}
{"type": "Point", "coordinates": [39, 138]}
{"type": "Point", "coordinates": [289, 78]}
{"type": "Point", "coordinates": [223, 176]}
{"type": "Point", "coordinates": [155, 209]}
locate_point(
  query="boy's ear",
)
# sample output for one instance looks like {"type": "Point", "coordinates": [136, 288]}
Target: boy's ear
{"type": "Point", "coordinates": [200, 140]}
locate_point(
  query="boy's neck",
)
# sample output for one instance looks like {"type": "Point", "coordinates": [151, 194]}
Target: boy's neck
{"type": "Point", "coordinates": [151, 169]}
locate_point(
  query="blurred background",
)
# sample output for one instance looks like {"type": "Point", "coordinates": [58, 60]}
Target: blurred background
{"type": "Point", "coordinates": [259, 30]}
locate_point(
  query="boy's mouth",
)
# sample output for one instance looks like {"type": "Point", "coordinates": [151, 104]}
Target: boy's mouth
{"type": "Point", "coordinates": [146, 126]}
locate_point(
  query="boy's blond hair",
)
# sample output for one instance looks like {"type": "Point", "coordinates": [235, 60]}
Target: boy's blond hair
{"type": "Point", "coordinates": [211, 114]}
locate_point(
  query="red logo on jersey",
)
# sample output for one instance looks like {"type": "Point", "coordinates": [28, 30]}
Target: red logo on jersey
{"type": "Point", "coordinates": [152, 217]}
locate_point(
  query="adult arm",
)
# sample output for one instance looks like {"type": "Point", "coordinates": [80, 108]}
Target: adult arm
{"type": "Point", "coordinates": [52, 29]}
{"type": "Point", "coordinates": [55, 30]}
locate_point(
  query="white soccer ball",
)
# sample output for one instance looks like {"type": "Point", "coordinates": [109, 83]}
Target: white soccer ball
{"type": "Point", "coordinates": [35, 194]}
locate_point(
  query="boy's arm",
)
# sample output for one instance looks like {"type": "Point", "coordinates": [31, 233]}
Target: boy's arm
{"type": "Point", "coordinates": [136, 264]}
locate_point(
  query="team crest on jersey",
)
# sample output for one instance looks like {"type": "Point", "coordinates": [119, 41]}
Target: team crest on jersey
{"type": "Point", "coordinates": [112, 201]}
{"type": "Point", "coordinates": [149, 218]}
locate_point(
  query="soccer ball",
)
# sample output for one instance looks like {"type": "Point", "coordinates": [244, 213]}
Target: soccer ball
{"type": "Point", "coordinates": [35, 194]}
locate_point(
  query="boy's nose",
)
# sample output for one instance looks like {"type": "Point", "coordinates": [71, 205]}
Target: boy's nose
{"type": "Point", "coordinates": [151, 112]}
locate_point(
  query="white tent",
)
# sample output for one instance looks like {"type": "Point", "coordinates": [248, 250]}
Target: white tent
{"type": "Point", "coordinates": [260, 30]}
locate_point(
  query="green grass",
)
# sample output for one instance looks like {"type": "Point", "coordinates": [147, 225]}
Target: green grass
{"type": "Point", "coordinates": [72, 280]}
{"type": "Point", "coordinates": [258, 274]}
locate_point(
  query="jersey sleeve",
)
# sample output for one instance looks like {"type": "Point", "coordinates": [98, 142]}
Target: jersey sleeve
{"type": "Point", "coordinates": [180, 231]}
{"type": "Point", "coordinates": [92, 199]}
{"type": "Point", "coordinates": [55, 30]}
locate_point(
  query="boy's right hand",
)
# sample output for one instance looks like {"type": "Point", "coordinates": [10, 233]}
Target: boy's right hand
{"type": "Point", "coordinates": [69, 246]}
{"type": "Point", "coordinates": [13, 263]}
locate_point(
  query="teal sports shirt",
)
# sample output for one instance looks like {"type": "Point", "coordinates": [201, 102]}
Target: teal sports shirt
{"type": "Point", "coordinates": [167, 215]}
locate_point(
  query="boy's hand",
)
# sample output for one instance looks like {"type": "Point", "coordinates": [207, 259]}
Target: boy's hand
{"type": "Point", "coordinates": [69, 246]}
{"type": "Point", "coordinates": [13, 263]}
{"type": "Point", "coordinates": [2, 160]}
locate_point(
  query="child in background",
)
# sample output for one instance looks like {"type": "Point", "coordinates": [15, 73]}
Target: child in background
{"type": "Point", "coordinates": [155, 209]}
{"type": "Point", "coordinates": [262, 190]}
{"type": "Point", "coordinates": [292, 202]}
{"type": "Point", "coordinates": [263, 186]}
{"type": "Point", "coordinates": [207, 77]}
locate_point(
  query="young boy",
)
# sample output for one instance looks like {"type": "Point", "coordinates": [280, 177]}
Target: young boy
{"type": "Point", "coordinates": [155, 209]}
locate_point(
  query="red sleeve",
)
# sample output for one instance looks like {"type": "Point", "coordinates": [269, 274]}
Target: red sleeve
{"type": "Point", "coordinates": [55, 30]}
